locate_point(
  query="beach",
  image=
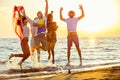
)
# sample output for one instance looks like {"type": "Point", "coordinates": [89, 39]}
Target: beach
{"type": "Point", "coordinates": [110, 73]}
{"type": "Point", "coordinates": [60, 40]}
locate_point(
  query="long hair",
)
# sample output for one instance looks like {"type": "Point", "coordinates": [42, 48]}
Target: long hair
{"type": "Point", "coordinates": [49, 18]}
{"type": "Point", "coordinates": [51, 26]}
{"type": "Point", "coordinates": [17, 21]}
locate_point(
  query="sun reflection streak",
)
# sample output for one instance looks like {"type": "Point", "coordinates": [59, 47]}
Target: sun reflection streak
{"type": "Point", "coordinates": [92, 41]}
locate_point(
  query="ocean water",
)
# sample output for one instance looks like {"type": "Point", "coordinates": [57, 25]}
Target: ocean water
{"type": "Point", "coordinates": [94, 51]}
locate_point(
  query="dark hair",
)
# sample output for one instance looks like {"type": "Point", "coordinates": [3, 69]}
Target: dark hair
{"type": "Point", "coordinates": [19, 21]}
{"type": "Point", "coordinates": [71, 12]}
{"type": "Point", "coordinates": [24, 18]}
{"type": "Point", "coordinates": [49, 16]}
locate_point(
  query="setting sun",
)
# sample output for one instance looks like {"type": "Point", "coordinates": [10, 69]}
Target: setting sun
{"type": "Point", "coordinates": [101, 16]}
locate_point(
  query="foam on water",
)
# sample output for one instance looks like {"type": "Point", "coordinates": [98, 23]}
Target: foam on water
{"type": "Point", "coordinates": [12, 65]}
{"type": "Point", "coordinates": [16, 73]}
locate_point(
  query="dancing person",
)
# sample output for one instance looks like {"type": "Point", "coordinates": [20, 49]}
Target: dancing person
{"type": "Point", "coordinates": [21, 21]}
{"type": "Point", "coordinates": [51, 36]}
{"type": "Point", "coordinates": [40, 22]}
{"type": "Point", "coordinates": [72, 34]}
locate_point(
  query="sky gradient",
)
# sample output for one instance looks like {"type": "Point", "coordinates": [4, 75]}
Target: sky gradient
{"type": "Point", "coordinates": [102, 17]}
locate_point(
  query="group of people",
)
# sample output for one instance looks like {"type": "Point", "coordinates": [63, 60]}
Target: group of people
{"type": "Point", "coordinates": [43, 30]}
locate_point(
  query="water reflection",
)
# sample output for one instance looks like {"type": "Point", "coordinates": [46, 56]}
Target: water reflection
{"type": "Point", "coordinates": [92, 41]}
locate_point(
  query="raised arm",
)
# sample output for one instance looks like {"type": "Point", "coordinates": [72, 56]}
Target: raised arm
{"type": "Point", "coordinates": [31, 21]}
{"type": "Point", "coordinates": [81, 16]}
{"type": "Point", "coordinates": [46, 8]}
{"type": "Point", "coordinates": [61, 17]}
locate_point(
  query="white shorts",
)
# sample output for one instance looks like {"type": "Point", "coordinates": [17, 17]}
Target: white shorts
{"type": "Point", "coordinates": [32, 42]}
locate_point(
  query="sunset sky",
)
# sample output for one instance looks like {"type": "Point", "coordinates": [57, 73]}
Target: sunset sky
{"type": "Point", "coordinates": [102, 17]}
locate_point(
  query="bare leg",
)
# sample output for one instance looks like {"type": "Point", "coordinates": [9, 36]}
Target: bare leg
{"type": "Point", "coordinates": [25, 56]}
{"type": "Point", "coordinates": [11, 56]}
{"type": "Point", "coordinates": [44, 43]}
{"type": "Point", "coordinates": [53, 61]}
{"type": "Point", "coordinates": [25, 49]}
{"type": "Point", "coordinates": [38, 53]}
{"type": "Point", "coordinates": [32, 56]}
{"type": "Point", "coordinates": [20, 63]}
{"type": "Point", "coordinates": [15, 55]}
{"type": "Point", "coordinates": [32, 53]}
{"type": "Point", "coordinates": [79, 53]}
{"type": "Point", "coordinates": [53, 52]}
{"type": "Point", "coordinates": [68, 55]}
{"type": "Point", "coordinates": [69, 45]}
{"type": "Point", "coordinates": [49, 54]}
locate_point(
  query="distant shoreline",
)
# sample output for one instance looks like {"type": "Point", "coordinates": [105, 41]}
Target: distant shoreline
{"type": "Point", "coordinates": [66, 36]}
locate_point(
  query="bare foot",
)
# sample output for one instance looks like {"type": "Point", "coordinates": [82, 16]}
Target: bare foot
{"type": "Point", "coordinates": [12, 55]}
{"type": "Point", "coordinates": [53, 65]}
{"type": "Point", "coordinates": [68, 64]}
{"type": "Point", "coordinates": [69, 72]}
{"type": "Point", "coordinates": [80, 63]}
{"type": "Point", "coordinates": [20, 64]}
{"type": "Point", "coordinates": [49, 60]}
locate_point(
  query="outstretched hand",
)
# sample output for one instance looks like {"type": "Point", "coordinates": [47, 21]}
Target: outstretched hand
{"type": "Point", "coordinates": [80, 6]}
{"type": "Point", "coordinates": [61, 9]}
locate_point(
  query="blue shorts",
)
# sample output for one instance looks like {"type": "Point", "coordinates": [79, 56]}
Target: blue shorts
{"type": "Point", "coordinates": [72, 38]}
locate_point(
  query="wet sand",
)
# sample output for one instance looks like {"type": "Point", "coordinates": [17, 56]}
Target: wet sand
{"type": "Point", "coordinates": [111, 73]}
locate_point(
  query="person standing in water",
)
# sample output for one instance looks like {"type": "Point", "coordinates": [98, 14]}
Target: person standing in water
{"type": "Point", "coordinates": [72, 34]}
{"type": "Point", "coordinates": [51, 36]}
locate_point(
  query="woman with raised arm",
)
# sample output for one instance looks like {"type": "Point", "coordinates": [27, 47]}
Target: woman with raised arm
{"type": "Point", "coordinates": [22, 30]}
